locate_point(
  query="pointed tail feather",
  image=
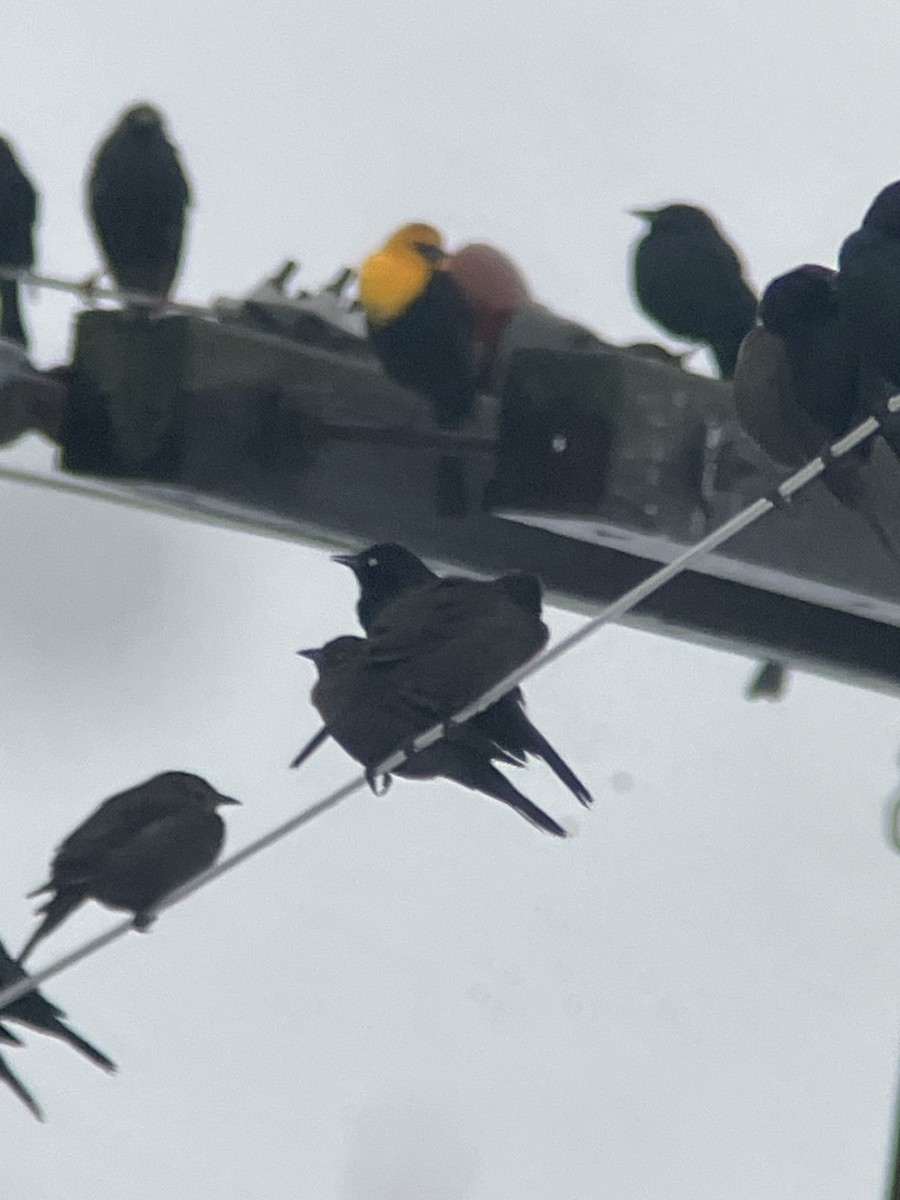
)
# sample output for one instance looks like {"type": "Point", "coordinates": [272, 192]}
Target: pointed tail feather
{"type": "Point", "coordinates": [56, 1028]}
{"type": "Point", "coordinates": [509, 726]}
{"type": "Point", "coordinates": [20, 1090]}
{"type": "Point", "coordinates": [483, 777]}
{"type": "Point", "coordinates": [56, 910]}
{"type": "Point", "coordinates": [311, 746]}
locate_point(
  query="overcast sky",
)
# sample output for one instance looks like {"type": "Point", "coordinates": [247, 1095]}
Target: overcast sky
{"type": "Point", "coordinates": [420, 997]}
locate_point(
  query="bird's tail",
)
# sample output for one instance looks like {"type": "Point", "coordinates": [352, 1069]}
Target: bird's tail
{"type": "Point", "coordinates": [508, 724]}
{"type": "Point", "coordinates": [57, 1028]}
{"type": "Point", "coordinates": [20, 1089]}
{"type": "Point", "coordinates": [538, 745]}
{"type": "Point", "coordinates": [55, 912]}
{"type": "Point", "coordinates": [11, 324]}
{"type": "Point", "coordinates": [311, 747]}
{"type": "Point", "coordinates": [475, 772]}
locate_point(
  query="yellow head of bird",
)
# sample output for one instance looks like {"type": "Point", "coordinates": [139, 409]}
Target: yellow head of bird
{"type": "Point", "coordinates": [392, 278]}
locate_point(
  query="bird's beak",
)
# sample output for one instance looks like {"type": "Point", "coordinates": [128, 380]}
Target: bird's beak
{"type": "Point", "coordinates": [312, 655]}
{"type": "Point", "coordinates": [226, 800]}
{"type": "Point", "coordinates": [644, 214]}
{"type": "Point", "coordinates": [346, 560]}
{"type": "Point", "coordinates": [431, 253]}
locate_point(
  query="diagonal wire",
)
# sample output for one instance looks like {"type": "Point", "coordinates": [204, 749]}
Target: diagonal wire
{"type": "Point", "coordinates": [788, 488]}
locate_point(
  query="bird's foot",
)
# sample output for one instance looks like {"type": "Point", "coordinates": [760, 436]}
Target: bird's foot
{"type": "Point", "coordinates": [87, 289]}
{"type": "Point", "coordinates": [142, 921]}
{"type": "Point", "coordinates": [379, 784]}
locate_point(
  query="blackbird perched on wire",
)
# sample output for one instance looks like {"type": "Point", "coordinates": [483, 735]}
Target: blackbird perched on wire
{"type": "Point", "coordinates": [18, 214]}
{"type": "Point", "coordinates": [138, 195]}
{"type": "Point", "coordinates": [372, 707]}
{"type": "Point", "coordinates": [800, 385]}
{"type": "Point", "coordinates": [36, 1012]}
{"type": "Point", "coordinates": [689, 280]}
{"type": "Point", "coordinates": [134, 849]}
{"type": "Point", "coordinates": [869, 289]}
{"type": "Point", "coordinates": [387, 572]}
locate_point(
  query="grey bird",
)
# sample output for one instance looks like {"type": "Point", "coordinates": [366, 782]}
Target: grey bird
{"type": "Point", "coordinates": [138, 196]}
{"type": "Point", "coordinates": [372, 707]}
{"type": "Point", "coordinates": [689, 280]}
{"type": "Point", "coordinates": [134, 849]}
{"type": "Point", "coordinates": [387, 571]}
{"type": "Point", "coordinates": [18, 214]}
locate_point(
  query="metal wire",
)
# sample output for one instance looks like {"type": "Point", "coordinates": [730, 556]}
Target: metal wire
{"type": "Point", "coordinates": [617, 608]}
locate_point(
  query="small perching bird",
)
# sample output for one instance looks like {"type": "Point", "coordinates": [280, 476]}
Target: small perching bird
{"type": "Point", "coordinates": [801, 384]}
{"type": "Point", "coordinates": [18, 215]}
{"type": "Point", "coordinates": [388, 571]}
{"type": "Point", "coordinates": [372, 708]}
{"type": "Point", "coordinates": [138, 197]}
{"type": "Point", "coordinates": [435, 320]}
{"type": "Point", "coordinates": [689, 280]}
{"type": "Point", "coordinates": [134, 849]}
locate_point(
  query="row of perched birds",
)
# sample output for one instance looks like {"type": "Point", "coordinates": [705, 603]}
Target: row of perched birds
{"type": "Point", "coordinates": [432, 646]}
{"type": "Point", "coordinates": [824, 344]}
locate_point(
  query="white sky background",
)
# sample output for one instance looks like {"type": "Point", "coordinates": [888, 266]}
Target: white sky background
{"type": "Point", "coordinates": [420, 997]}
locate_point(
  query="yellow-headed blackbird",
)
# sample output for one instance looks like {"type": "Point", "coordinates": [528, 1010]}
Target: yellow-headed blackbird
{"type": "Point", "coordinates": [688, 279]}
{"type": "Point", "coordinates": [18, 214]}
{"type": "Point", "coordinates": [137, 198]}
{"type": "Point", "coordinates": [419, 321]}
{"type": "Point", "coordinates": [134, 849]}
{"type": "Point", "coordinates": [371, 708]}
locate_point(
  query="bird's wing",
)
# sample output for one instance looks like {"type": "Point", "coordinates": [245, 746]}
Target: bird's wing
{"type": "Point", "coordinates": [113, 825]}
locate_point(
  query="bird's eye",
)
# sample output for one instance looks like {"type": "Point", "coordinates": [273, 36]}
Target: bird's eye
{"type": "Point", "coordinates": [371, 562]}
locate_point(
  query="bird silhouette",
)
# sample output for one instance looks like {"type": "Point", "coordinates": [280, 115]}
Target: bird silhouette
{"type": "Point", "coordinates": [138, 195]}
{"type": "Point", "coordinates": [689, 279]}
{"type": "Point", "coordinates": [134, 849]}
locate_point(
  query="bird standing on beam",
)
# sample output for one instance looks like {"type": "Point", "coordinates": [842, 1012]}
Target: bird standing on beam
{"type": "Point", "coordinates": [435, 321]}
{"type": "Point", "coordinates": [18, 214]}
{"type": "Point", "coordinates": [689, 280]}
{"type": "Point", "coordinates": [138, 197]}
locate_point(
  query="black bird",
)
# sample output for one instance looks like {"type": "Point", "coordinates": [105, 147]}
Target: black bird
{"type": "Point", "coordinates": [869, 291]}
{"type": "Point", "coordinates": [18, 214]}
{"type": "Point", "coordinates": [422, 328]}
{"type": "Point", "coordinates": [688, 279]}
{"type": "Point", "coordinates": [8, 1038]}
{"type": "Point", "coordinates": [386, 572]}
{"type": "Point", "coordinates": [800, 385]}
{"type": "Point", "coordinates": [37, 1012]}
{"type": "Point", "coordinates": [370, 710]}
{"type": "Point", "coordinates": [134, 849]}
{"type": "Point", "coordinates": [137, 198]}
